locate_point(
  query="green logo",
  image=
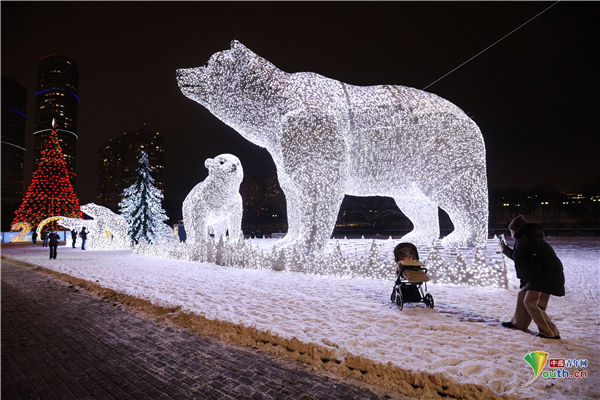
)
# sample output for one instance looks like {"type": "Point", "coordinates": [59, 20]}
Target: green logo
{"type": "Point", "coordinates": [537, 361]}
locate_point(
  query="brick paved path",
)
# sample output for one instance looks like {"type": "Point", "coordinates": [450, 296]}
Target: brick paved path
{"type": "Point", "coordinates": [58, 342]}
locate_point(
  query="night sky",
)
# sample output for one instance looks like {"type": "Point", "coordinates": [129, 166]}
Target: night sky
{"type": "Point", "coordinates": [533, 95]}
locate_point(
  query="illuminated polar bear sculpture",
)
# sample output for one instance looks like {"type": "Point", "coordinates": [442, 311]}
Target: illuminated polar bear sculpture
{"type": "Point", "coordinates": [77, 224]}
{"type": "Point", "coordinates": [328, 139]}
{"type": "Point", "coordinates": [216, 201]}
{"type": "Point", "coordinates": [106, 221]}
{"type": "Point", "coordinates": [116, 224]}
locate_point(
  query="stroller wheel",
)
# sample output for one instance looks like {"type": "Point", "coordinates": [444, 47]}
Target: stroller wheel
{"type": "Point", "coordinates": [399, 301]}
{"type": "Point", "coordinates": [428, 300]}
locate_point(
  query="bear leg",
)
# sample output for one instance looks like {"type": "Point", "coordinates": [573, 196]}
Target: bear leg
{"type": "Point", "coordinates": [292, 210]}
{"type": "Point", "coordinates": [234, 221]}
{"type": "Point", "coordinates": [422, 213]}
{"type": "Point", "coordinates": [465, 199]}
{"type": "Point", "coordinates": [315, 159]}
{"type": "Point", "coordinates": [196, 229]}
{"type": "Point", "coordinates": [219, 229]}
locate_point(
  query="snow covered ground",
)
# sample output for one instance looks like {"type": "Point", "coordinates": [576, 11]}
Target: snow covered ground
{"type": "Point", "coordinates": [460, 338]}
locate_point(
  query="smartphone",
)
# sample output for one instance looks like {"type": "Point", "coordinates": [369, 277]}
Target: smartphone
{"type": "Point", "coordinates": [501, 239]}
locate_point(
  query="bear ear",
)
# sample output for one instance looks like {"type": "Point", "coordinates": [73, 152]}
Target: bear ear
{"type": "Point", "coordinates": [208, 163]}
{"type": "Point", "coordinates": [236, 45]}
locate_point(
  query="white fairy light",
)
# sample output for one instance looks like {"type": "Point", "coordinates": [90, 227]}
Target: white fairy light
{"type": "Point", "coordinates": [77, 224]}
{"type": "Point", "coordinates": [141, 206]}
{"type": "Point", "coordinates": [215, 202]}
{"type": "Point", "coordinates": [329, 139]}
{"type": "Point", "coordinates": [109, 230]}
{"type": "Point", "coordinates": [353, 259]}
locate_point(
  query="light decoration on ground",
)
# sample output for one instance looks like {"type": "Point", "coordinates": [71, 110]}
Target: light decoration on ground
{"type": "Point", "coordinates": [215, 202]}
{"type": "Point", "coordinates": [141, 208]}
{"type": "Point", "coordinates": [329, 139]}
{"type": "Point", "coordinates": [24, 228]}
{"type": "Point", "coordinates": [47, 221]}
{"type": "Point", "coordinates": [50, 192]}
{"type": "Point", "coordinates": [374, 260]}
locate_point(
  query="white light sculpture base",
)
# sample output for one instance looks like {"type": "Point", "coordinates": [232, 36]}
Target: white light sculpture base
{"type": "Point", "coordinates": [329, 139]}
{"type": "Point", "coordinates": [215, 202]}
{"type": "Point", "coordinates": [371, 259]}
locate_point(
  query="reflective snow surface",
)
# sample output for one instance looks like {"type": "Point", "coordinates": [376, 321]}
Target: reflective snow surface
{"type": "Point", "coordinates": [461, 337]}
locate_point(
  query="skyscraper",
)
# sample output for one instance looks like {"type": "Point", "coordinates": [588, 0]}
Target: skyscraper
{"type": "Point", "coordinates": [57, 99]}
{"type": "Point", "coordinates": [14, 118]}
{"type": "Point", "coordinates": [118, 162]}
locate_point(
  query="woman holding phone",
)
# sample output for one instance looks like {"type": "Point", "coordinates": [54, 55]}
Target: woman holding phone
{"type": "Point", "coordinates": [541, 274]}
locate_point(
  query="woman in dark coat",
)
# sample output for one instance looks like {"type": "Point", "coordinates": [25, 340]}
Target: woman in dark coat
{"type": "Point", "coordinates": [83, 235]}
{"type": "Point", "coordinates": [53, 243]}
{"type": "Point", "coordinates": [541, 274]}
{"type": "Point", "coordinates": [73, 237]}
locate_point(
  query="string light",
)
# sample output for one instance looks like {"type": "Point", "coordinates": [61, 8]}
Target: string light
{"type": "Point", "coordinates": [41, 225]}
{"type": "Point", "coordinates": [215, 202]}
{"type": "Point", "coordinates": [346, 259]}
{"type": "Point", "coordinates": [24, 228]}
{"type": "Point", "coordinates": [50, 192]}
{"type": "Point", "coordinates": [141, 208]}
{"type": "Point", "coordinates": [328, 139]}
{"type": "Point", "coordinates": [106, 220]}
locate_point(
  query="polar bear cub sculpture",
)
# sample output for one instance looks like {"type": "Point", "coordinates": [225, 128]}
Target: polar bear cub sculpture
{"type": "Point", "coordinates": [329, 139]}
{"type": "Point", "coordinates": [216, 201]}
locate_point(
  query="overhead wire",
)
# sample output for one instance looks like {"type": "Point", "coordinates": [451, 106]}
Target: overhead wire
{"type": "Point", "coordinates": [493, 44]}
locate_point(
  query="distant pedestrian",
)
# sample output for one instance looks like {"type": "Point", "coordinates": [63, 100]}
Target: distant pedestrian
{"type": "Point", "coordinates": [44, 238]}
{"type": "Point", "coordinates": [541, 275]}
{"type": "Point", "coordinates": [53, 243]}
{"type": "Point", "coordinates": [34, 237]}
{"type": "Point", "coordinates": [83, 235]}
{"type": "Point", "coordinates": [74, 237]}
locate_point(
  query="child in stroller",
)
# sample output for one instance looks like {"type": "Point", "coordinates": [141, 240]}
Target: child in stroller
{"type": "Point", "coordinates": [411, 277]}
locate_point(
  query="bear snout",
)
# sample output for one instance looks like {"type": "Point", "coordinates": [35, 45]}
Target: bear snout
{"type": "Point", "coordinates": [188, 76]}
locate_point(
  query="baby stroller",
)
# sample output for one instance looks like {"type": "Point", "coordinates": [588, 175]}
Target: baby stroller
{"type": "Point", "coordinates": [412, 276]}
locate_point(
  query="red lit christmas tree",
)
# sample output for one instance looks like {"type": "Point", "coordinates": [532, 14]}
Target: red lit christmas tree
{"type": "Point", "coordinates": [50, 192]}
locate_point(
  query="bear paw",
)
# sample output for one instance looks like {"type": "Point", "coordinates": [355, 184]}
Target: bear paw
{"type": "Point", "coordinates": [419, 237]}
{"type": "Point", "coordinates": [460, 239]}
{"type": "Point", "coordinates": [286, 242]}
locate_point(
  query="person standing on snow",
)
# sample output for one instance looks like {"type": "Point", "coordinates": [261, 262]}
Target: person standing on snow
{"type": "Point", "coordinates": [44, 237]}
{"type": "Point", "coordinates": [541, 275]}
{"type": "Point", "coordinates": [83, 235]}
{"type": "Point", "coordinates": [74, 237]}
{"type": "Point", "coordinates": [53, 244]}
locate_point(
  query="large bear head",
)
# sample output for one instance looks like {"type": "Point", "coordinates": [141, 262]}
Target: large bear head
{"type": "Point", "coordinates": [227, 167]}
{"type": "Point", "coordinates": [236, 85]}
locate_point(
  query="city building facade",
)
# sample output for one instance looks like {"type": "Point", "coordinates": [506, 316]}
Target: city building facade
{"type": "Point", "coordinates": [57, 100]}
{"type": "Point", "coordinates": [14, 119]}
{"type": "Point", "coordinates": [118, 163]}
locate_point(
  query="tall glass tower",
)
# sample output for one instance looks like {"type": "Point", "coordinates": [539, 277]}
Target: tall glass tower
{"type": "Point", "coordinates": [57, 99]}
{"type": "Point", "coordinates": [14, 118]}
